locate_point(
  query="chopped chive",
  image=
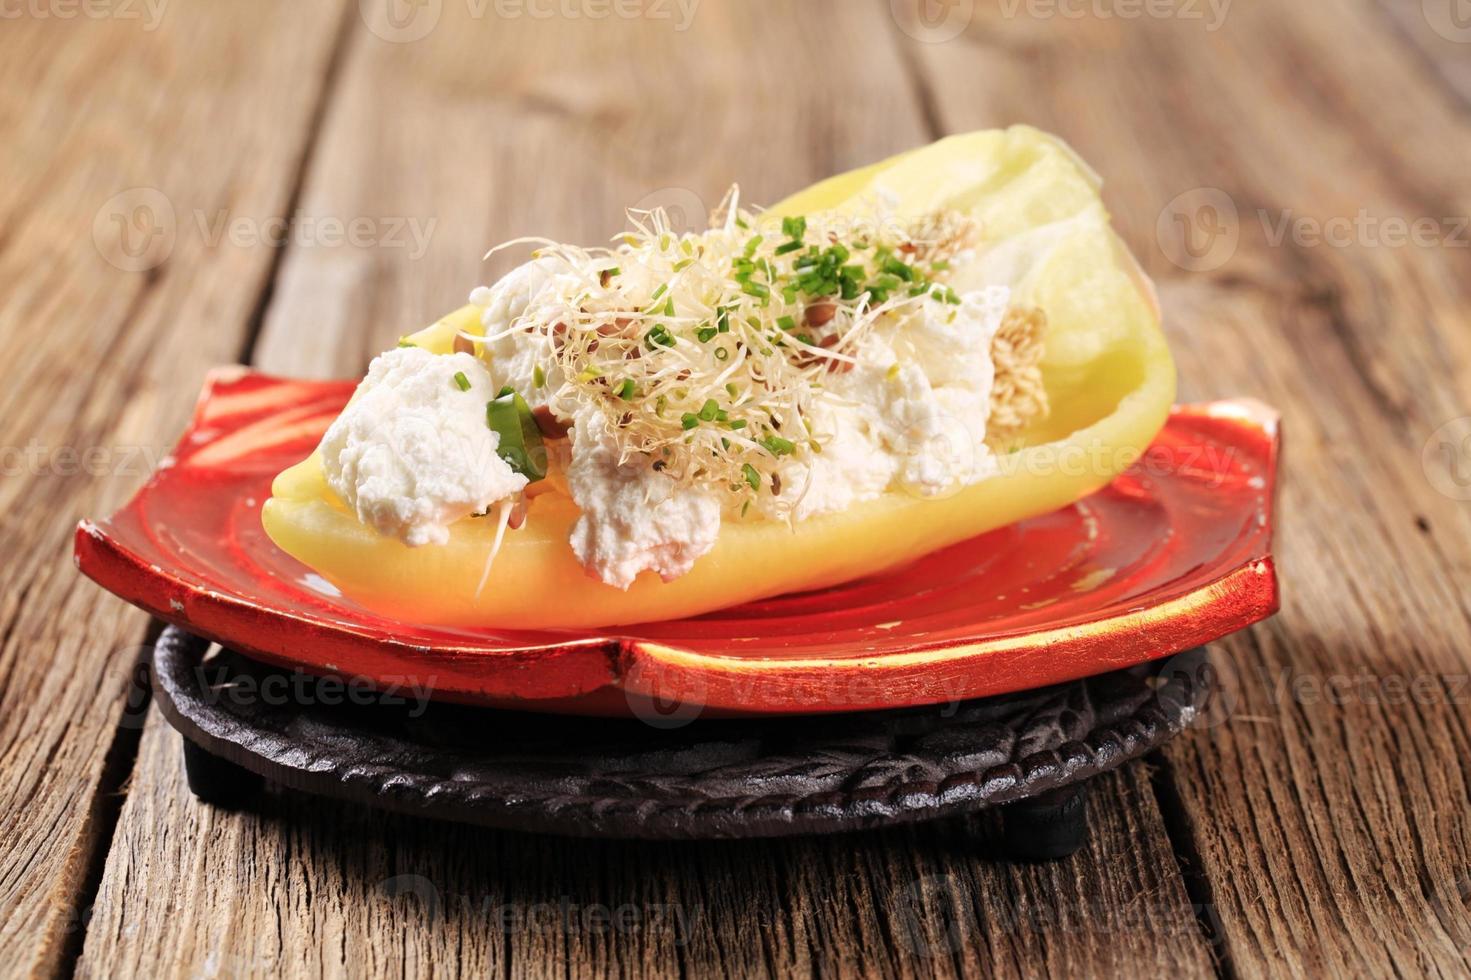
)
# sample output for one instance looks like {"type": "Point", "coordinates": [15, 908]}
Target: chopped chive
{"type": "Point", "coordinates": [689, 420]}
{"type": "Point", "coordinates": [778, 446]}
{"type": "Point", "coordinates": [520, 443]}
{"type": "Point", "coordinates": [462, 382]}
{"type": "Point", "coordinates": [669, 306]}
{"type": "Point", "coordinates": [721, 354]}
{"type": "Point", "coordinates": [706, 334]}
{"type": "Point", "coordinates": [787, 323]}
{"type": "Point", "coordinates": [898, 268]}
{"type": "Point", "coordinates": [786, 247]}
{"type": "Point", "coordinates": [752, 245]}
{"type": "Point", "coordinates": [738, 424]}
{"type": "Point", "coordinates": [709, 410]}
{"type": "Point", "coordinates": [752, 476]}
{"type": "Point", "coordinates": [794, 227]}
{"type": "Point", "coordinates": [627, 389]}
{"type": "Point", "coordinates": [659, 336]}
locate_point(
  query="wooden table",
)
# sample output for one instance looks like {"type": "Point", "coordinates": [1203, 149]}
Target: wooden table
{"type": "Point", "coordinates": [1267, 161]}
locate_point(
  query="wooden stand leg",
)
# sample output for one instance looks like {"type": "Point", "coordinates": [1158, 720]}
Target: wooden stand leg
{"type": "Point", "coordinates": [1046, 827]}
{"type": "Point", "coordinates": [219, 782]}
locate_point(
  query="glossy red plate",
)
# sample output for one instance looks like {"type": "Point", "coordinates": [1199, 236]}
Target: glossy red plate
{"type": "Point", "coordinates": [1173, 554]}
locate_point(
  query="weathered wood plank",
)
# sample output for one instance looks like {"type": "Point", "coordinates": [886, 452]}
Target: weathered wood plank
{"type": "Point", "coordinates": [1331, 827]}
{"type": "Point", "coordinates": [112, 308]}
{"type": "Point", "coordinates": [491, 130]}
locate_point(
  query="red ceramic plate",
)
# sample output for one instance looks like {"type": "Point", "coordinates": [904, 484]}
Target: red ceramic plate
{"type": "Point", "coordinates": [1173, 554]}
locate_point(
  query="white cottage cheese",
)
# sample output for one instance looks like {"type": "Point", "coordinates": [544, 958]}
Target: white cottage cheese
{"type": "Point", "coordinates": [515, 358]}
{"type": "Point", "coordinates": [911, 413]}
{"type": "Point", "coordinates": [412, 454]}
{"type": "Point", "coordinates": [633, 518]}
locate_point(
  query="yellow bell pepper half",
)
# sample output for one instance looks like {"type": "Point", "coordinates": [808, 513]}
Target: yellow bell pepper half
{"type": "Point", "coordinates": [1107, 370]}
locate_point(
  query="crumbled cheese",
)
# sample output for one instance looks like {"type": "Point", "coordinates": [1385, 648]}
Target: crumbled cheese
{"type": "Point", "coordinates": [515, 357]}
{"type": "Point", "coordinates": [411, 453]}
{"type": "Point", "coordinates": [633, 517]}
{"type": "Point", "coordinates": [910, 415]}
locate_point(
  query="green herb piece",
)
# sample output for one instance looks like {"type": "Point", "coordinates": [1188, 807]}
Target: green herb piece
{"type": "Point", "coordinates": [520, 443]}
{"type": "Point", "coordinates": [894, 267]}
{"type": "Point", "coordinates": [794, 227]}
{"type": "Point", "coordinates": [689, 420]}
{"type": "Point", "coordinates": [659, 336]}
{"type": "Point", "coordinates": [709, 410]}
{"type": "Point", "coordinates": [538, 377]}
{"type": "Point", "coordinates": [627, 389]}
{"type": "Point", "coordinates": [752, 476]}
{"type": "Point", "coordinates": [462, 382]}
{"type": "Point", "coordinates": [778, 446]}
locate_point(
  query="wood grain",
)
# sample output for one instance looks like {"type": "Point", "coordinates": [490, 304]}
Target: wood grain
{"type": "Point", "coordinates": [518, 128]}
{"type": "Point", "coordinates": [103, 344]}
{"type": "Point", "coordinates": [1331, 828]}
